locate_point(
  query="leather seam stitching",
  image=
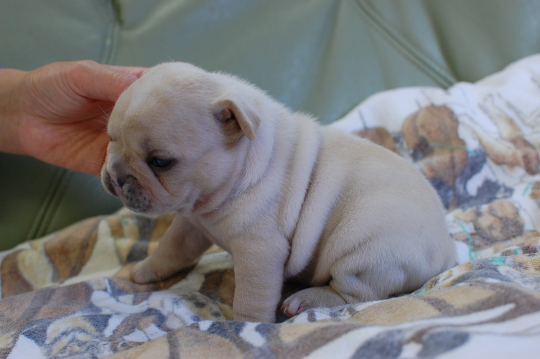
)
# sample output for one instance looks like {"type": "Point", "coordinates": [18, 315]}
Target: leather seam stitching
{"type": "Point", "coordinates": [419, 59]}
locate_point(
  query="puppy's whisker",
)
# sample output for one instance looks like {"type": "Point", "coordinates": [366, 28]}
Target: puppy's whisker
{"type": "Point", "coordinates": [96, 164]}
{"type": "Point", "coordinates": [103, 124]}
{"type": "Point", "coordinates": [105, 118]}
{"type": "Point", "coordinates": [101, 108]}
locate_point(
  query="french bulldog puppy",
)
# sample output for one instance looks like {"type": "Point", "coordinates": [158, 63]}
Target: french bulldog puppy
{"type": "Point", "coordinates": [288, 198]}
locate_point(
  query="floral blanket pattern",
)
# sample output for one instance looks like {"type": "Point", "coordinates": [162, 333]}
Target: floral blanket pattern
{"type": "Point", "coordinates": [67, 295]}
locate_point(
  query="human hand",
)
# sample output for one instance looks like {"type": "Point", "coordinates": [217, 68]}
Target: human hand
{"type": "Point", "coordinates": [58, 113]}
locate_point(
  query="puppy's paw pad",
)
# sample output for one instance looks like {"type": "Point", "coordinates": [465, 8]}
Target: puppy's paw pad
{"type": "Point", "coordinates": [290, 307]}
{"type": "Point", "coordinates": [311, 298]}
{"type": "Point", "coordinates": [296, 304]}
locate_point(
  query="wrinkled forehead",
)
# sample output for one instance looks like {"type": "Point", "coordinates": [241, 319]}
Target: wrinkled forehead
{"type": "Point", "coordinates": [156, 113]}
{"type": "Point", "coordinates": [134, 114]}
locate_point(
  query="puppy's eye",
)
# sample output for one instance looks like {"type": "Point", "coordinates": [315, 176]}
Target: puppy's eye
{"type": "Point", "coordinates": [160, 162]}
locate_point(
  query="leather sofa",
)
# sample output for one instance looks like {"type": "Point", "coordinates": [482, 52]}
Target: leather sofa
{"type": "Point", "coordinates": [318, 56]}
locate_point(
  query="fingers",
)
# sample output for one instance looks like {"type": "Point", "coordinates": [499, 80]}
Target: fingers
{"type": "Point", "coordinates": [128, 70]}
{"type": "Point", "coordinates": [100, 82]}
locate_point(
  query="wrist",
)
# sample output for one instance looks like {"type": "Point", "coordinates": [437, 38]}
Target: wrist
{"type": "Point", "coordinates": [10, 112]}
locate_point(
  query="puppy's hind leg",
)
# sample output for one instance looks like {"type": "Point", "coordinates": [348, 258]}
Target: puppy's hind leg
{"type": "Point", "coordinates": [355, 278]}
{"type": "Point", "coordinates": [179, 248]}
{"type": "Point", "coordinates": [311, 298]}
{"type": "Point", "coordinates": [337, 293]}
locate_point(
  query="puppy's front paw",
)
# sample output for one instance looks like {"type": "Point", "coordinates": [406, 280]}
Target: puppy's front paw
{"type": "Point", "coordinates": [142, 273]}
{"type": "Point", "coordinates": [311, 298]}
{"type": "Point", "coordinates": [257, 317]}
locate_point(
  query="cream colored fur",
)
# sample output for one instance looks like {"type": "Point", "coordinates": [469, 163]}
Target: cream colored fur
{"type": "Point", "coordinates": [288, 198]}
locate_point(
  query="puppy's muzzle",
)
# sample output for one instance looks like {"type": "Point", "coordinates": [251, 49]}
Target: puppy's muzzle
{"type": "Point", "coordinates": [128, 189]}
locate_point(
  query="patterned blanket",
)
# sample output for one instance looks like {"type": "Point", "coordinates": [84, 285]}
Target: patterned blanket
{"type": "Point", "coordinates": [67, 295]}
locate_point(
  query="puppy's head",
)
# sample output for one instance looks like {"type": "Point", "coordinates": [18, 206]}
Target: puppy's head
{"type": "Point", "coordinates": [178, 139]}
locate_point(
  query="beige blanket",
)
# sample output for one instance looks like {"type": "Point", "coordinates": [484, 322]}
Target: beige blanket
{"type": "Point", "coordinates": [67, 295]}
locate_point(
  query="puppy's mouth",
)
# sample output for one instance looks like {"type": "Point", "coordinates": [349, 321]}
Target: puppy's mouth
{"type": "Point", "coordinates": [117, 190]}
{"type": "Point", "coordinates": [111, 187]}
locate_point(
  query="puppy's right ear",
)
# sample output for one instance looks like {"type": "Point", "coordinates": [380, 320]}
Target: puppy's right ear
{"type": "Point", "coordinates": [236, 120]}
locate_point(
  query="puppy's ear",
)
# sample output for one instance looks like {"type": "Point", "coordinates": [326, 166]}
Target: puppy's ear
{"type": "Point", "coordinates": [235, 119]}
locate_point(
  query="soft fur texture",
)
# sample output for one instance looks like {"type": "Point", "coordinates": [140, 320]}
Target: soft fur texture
{"type": "Point", "coordinates": [289, 199]}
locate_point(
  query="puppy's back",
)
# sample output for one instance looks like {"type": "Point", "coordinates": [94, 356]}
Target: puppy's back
{"type": "Point", "coordinates": [377, 201]}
